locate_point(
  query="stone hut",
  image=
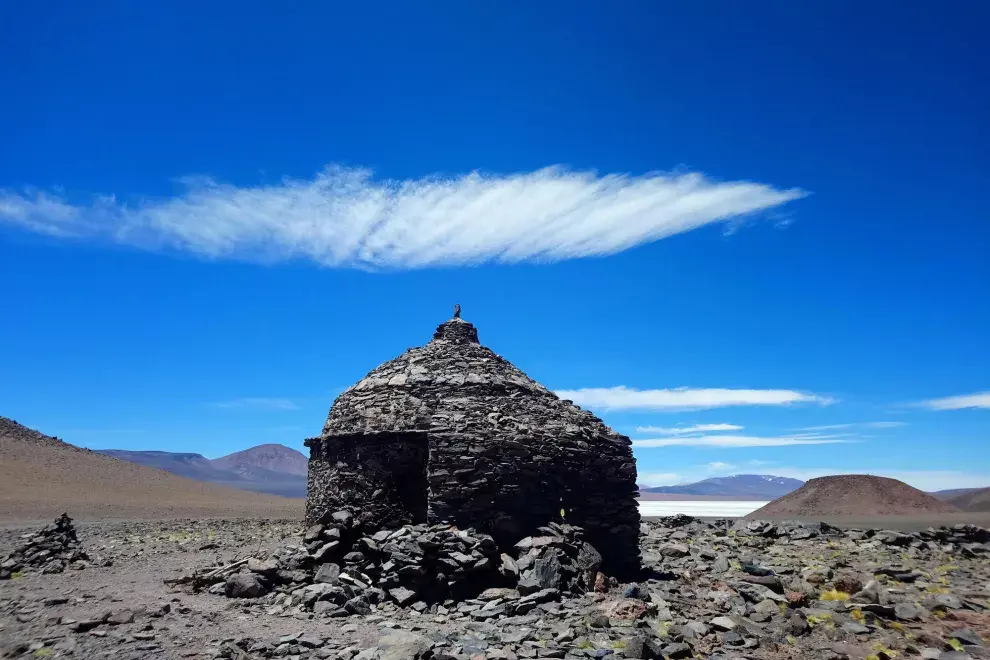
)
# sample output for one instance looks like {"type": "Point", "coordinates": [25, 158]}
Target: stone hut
{"type": "Point", "coordinates": [452, 433]}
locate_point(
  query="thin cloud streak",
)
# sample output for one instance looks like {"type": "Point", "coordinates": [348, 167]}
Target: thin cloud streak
{"type": "Point", "coordinates": [978, 400]}
{"type": "Point", "coordinates": [684, 430]}
{"type": "Point", "coordinates": [852, 425]}
{"type": "Point", "coordinates": [343, 218]}
{"type": "Point", "coordinates": [737, 441]}
{"type": "Point", "coordinates": [684, 398]}
{"type": "Point", "coordinates": [257, 402]}
{"type": "Point", "coordinates": [651, 479]}
{"type": "Point", "coordinates": [68, 432]}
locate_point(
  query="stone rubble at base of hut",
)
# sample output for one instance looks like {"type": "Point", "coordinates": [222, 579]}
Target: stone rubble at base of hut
{"type": "Point", "coordinates": [722, 590]}
{"type": "Point", "coordinates": [339, 571]}
{"type": "Point", "coordinates": [52, 549]}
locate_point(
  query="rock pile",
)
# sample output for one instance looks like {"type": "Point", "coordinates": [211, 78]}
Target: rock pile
{"type": "Point", "coordinates": [338, 570]}
{"type": "Point", "coordinates": [53, 549]}
{"type": "Point", "coordinates": [558, 559]}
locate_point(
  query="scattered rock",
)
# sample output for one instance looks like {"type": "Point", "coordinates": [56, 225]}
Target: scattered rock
{"type": "Point", "coordinates": [677, 650]}
{"type": "Point", "coordinates": [967, 637]}
{"type": "Point", "coordinates": [675, 550]}
{"type": "Point", "coordinates": [723, 623]}
{"type": "Point", "coordinates": [908, 612]}
{"type": "Point", "coordinates": [872, 592]}
{"type": "Point", "coordinates": [121, 617]}
{"type": "Point", "coordinates": [244, 585]}
{"type": "Point", "coordinates": [402, 645]}
{"type": "Point", "coordinates": [327, 572]}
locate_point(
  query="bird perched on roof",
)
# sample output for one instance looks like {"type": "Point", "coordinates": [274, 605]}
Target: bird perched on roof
{"type": "Point", "coordinates": [457, 311]}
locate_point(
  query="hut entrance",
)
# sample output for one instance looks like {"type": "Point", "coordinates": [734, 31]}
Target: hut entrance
{"type": "Point", "coordinates": [396, 463]}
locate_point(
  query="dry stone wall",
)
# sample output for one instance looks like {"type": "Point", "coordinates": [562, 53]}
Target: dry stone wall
{"type": "Point", "coordinates": [506, 455]}
{"type": "Point", "coordinates": [379, 478]}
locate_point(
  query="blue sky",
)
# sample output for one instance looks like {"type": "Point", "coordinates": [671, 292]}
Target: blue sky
{"type": "Point", "coordinates": [721, 227]}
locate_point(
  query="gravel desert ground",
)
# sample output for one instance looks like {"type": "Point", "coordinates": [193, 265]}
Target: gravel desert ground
{"type": "Point", "coordinates": [720, 590]}
{"type": "Point", "coordinates": [159, 566]}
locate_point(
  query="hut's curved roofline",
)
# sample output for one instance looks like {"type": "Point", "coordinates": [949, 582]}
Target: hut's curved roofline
{"type": "Point", "coordinates": [455, 384]}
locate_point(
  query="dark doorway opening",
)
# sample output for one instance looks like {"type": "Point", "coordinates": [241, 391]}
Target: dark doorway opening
{"type": "Point", "coordinates": [396, 464]}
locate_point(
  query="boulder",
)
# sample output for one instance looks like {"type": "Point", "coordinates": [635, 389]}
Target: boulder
{"type": "Point", "coordinates": [244, 585]}
{"type": "Point", "coordinates": [547, 572]}
{"type": "Point", "coordinates": [401, 645]}
{"type": "Point", "coordinates": [262, 566]}
{"type": "Point", "coordinates": [675, 550]}
{"type": "Point", "coordinates": [328, 572]}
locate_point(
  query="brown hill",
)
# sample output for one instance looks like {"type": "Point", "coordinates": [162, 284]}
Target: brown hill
{"type": "Point", "coordinates": [853, 495]}
{"type": "Point", "coordinates": [42, 476]}
{"type": "Point", "coordinates": [975, 500]}
{"type": "Point", "coordinates": [275, 458]}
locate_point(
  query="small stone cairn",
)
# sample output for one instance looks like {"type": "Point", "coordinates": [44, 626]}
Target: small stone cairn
{"type": "Point", "coordinates": [53, 549]}
{"type": "Point", "coordinates": [340, 570]}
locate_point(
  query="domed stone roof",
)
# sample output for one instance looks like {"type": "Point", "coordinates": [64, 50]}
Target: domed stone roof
{"type": "Point", "coordinates": [453, 384]}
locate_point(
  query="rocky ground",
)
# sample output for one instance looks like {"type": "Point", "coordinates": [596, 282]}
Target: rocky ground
{"type": "Point", "coordinates": [724, 589]}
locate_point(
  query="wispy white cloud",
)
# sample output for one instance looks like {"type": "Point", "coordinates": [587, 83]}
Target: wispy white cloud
{"type": "Point", "coordinates": [345, 218]}
{"type": "Point", "coordinates": [819, 434]}
{"type": "Point", "coordinates": [659, 479]}
{"type": "Point", "coordinates": [855, 425]}
{"type": "Point", "coordinates": [719, 466]}
{"type": "Point", "coordinates": [738, 441]}
{"type": "Point", "coordinates": [685, 398]}
{"type": "Point", "coordinates": [684, 430]}
{"type": "Point", "coordinates": [68, 432]}
{"type": "Point", "coordinates": [978, 400]}
{"type": "Point", "coordinates": [257, 402]}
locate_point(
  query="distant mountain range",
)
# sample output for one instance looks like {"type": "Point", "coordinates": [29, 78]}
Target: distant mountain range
{"type": "Point", "coordinates": [770, 487]}
{"type": "Point", "coordinates": [972, 499]}
{"type": "Point", "coordinates": [273, 469]}
{"type": "Point", "coordinates": [42, 476]}
{"type": "Point", "coordinates": [953, 493]}
{"type": "Point", "coordinates": [748, 486]}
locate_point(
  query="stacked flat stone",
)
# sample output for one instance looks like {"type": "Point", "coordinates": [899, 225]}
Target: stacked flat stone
{"type": "Point", "coordinates": [559, 558]}
{"type": "Point", "coordinates": [348, 571]}
{"type": "Point", "coordinates": [52, 549]}
{"type": "Point", "coordinates": [500, 452]}
{"type": "Point", "coordinates": [339, 571]}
